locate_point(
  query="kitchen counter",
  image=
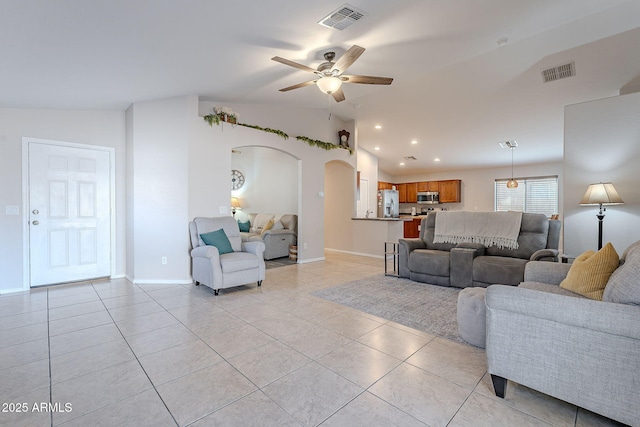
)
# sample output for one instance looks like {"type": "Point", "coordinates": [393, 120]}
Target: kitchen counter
{"type": "Point", "coordinates": [368, 235]}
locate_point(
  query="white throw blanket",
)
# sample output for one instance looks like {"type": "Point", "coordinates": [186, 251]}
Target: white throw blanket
{"type": "Point", "coordinates": [499, 229]}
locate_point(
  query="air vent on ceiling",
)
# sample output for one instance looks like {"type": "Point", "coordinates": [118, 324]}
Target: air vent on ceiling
{"type": "Point", "coordinates": [410, 158]}
{"type": "Point", "coordinates": [559, 72]}
{"type": "Point", "coordinates": [342, 17]}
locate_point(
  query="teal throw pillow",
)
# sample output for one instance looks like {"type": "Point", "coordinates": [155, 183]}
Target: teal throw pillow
{"type": "Point", "coordinates": [244, 226]}
{"type": "Point", "coordinates": [218, 239]}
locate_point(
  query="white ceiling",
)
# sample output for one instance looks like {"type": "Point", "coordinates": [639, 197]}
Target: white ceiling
{"type": "Point", "coordinates": [455, 91]}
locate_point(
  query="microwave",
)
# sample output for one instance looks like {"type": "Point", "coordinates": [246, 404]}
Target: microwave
{"type": "Point", "coordinates": [428, 197]}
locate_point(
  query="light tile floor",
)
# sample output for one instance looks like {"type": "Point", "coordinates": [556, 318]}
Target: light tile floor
{"type": "Point", "coordinates": [112, 353]}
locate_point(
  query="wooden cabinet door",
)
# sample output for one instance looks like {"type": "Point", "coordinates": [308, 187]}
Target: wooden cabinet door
{"type": "Point", "coordinates": [402, 193]}
{"type": "Point", "coordinates": [433, 186]}
{"type": "Point", "coordinates": [412, 192]}
{"type": "Point", "coordinates": [449, 191]}
{"type": "Point", "coordinates": [411, 229]}
{"type": "Point", "coordinates": [423, 186]}
{"type": "Point", "coordinates": [384, 185]}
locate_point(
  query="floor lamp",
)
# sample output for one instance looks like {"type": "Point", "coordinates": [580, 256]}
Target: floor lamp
{"type": "Point", "coordinates": [601, 194]}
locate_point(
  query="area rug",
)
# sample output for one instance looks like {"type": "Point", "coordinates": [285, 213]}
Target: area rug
{"type": "Point", "coordinates": [428, 308]}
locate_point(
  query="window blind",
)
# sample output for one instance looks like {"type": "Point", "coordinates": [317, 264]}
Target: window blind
{"type": "Point", "coordinates": [533, 195]}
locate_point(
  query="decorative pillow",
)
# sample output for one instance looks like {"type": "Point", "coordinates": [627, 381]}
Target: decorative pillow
{"type": "Point", "coordinates": [244, 226]}
{"type": "Point", "coordinates": [624, 284]}
{"type": "Point", "coordinates": [267, 226]}
{"type": "Point", "coordinates": [590, 272]}
{"type": "Point", "coordinates": [277, 226]}
{"type": "Point", "coordinates": [218, 239]}
{"type": "Point", "coordinates": [260, 221]}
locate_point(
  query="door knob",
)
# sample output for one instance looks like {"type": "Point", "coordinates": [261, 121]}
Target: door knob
{"type": "Point", "coordinates": [35, 211]}
{"type": "Point", "coordinates": [36, 222]}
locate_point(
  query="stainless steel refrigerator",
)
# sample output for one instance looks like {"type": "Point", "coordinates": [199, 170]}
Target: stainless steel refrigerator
{"type": "Point", "coordinates": [388, 206]}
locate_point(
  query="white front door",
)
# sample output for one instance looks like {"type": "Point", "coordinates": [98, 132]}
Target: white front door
{"type": "Point", "coordinates": [69, 214]}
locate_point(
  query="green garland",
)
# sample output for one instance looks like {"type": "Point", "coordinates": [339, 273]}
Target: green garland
{"type": "Point", "coordinates": [321, 144]}
{"type": "Point", "coordinates": [276, 131]}
{"type": "Point", "coordinates": [214, 118]}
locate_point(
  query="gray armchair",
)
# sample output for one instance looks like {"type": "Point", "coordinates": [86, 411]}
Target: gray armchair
{"type": "Point", "coordinates": [244, 265]}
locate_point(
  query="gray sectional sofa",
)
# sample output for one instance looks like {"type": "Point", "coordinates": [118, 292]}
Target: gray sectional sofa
{"type": "Point", "coordinates": [276, 240]}
{"type": "Point", "coordinates": [579, 350]}
{"type": "Point", "coordinates": [470, 264]}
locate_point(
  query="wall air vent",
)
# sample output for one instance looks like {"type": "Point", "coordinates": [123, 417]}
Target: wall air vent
{"type": "Point", "coordinates": [559, 72]}
{"type": "Point", "coordinates": [342, 17]}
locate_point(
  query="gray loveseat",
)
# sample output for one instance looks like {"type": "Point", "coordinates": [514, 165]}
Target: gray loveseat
{"type": "Point", "coordinates": [582, 351]}
{"type": "Point", "coordinates": [277, 239]}
{"type": "Point", "coordinates": [465, 264]}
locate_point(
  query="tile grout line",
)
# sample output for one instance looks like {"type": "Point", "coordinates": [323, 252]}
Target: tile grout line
{"type": "Point", "coordinates": [49, 351]}
{"type": "Point", "coordinates": [136, 356]}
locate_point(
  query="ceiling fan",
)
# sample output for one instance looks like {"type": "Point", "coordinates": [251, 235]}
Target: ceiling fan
{"type": "Point", "coordinates": [330, 74]}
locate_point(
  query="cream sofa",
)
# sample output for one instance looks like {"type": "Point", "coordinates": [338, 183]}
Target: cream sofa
{"type": "Point", "coordinates": [277, 239]}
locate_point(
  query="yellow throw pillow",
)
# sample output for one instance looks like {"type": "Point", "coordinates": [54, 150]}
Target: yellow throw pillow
{"type": "Point", "coordinates": [267, 226]}
{"type": "Point", "coordinates": [590, 272]}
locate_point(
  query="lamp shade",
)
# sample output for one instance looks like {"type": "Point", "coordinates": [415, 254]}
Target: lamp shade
{"type": "Point", "coordinates": [235, 203]}
{"type": "Point", "coordinates": [601, 193]}
{"type": "Point", "coordinates": [329, 84]}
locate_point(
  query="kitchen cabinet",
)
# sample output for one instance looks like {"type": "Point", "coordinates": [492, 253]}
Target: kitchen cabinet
{"type": "Point", "coordinates": [412, 228]}
{"type": "Point", "coordinates": [412, 192]}
{"type": "Point", "coordinates": [384, 185]}
{"type": "Point", "coordinates": [402, 193]}
{"type": "Point", "coordinates": [449, 191]}
{"type": "Point", "coordinates": [428, 186]}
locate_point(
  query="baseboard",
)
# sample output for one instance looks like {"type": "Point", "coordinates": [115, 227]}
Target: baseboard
{"type": "Point", "coordinates": [304, 261]}
{"type": "Point", "coordinates": [158, 282]}
{"type": "Point", "coordinates": [13, 291]}
{"type": "Point", "coordinates": [354, 253]}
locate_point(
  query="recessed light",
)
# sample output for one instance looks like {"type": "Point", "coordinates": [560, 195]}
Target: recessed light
{"type": "Point", "coordinates": [378, 126]}
{"type": "Point", "coordinates": [414, 142]}
{"type": "Point", "coordinates": [436, 159]}
{"type": "Point", "coordinates": [401, 163]}
{"type": "Point", "coordinates": [376, 148]}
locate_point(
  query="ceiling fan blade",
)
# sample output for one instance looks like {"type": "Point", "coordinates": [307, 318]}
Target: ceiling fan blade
{"type": "Point", "coordinates": [367, 80]}
{"type": "Point", "coordinates": [348, 58]}
{"type": "Point", "coordinates": [299, 85]}
{"type": "Point", "coordinates": [338, 95]}
{"type": "Point", "coordinates": [293, 64]}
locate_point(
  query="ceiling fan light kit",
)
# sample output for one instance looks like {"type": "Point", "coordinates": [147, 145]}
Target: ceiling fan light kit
{"type": "Point", "coordinates": [330, 74]}
{"type": "Point", "coordinates": [328, 85]}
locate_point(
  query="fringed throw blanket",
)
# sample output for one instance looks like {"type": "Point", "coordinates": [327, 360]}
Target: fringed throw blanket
{"type": "Point", "coordinates": [499, 229]}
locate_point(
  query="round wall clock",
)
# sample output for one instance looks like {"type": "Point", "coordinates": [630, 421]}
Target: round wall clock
{"type": "Point", "coordinates": [237, 179]}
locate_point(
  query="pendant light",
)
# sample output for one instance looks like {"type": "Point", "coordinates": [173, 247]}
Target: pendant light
{"type": "Point", "coordinates": [512, 183]}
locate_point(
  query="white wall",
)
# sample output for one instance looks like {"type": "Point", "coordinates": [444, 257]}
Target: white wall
{"type": "Point", "coordinates": [101, 128]}
{"type": "Point", "coordinates": [271, 181]}
{"type": "Point", "coordinates": [368, 168]}
{"type": "Point", "coordinates": [158, 190]}
{"type": "Point", "coordinates": [339, 208]}
{"type": "Point", "coordinates": [602, 144]}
